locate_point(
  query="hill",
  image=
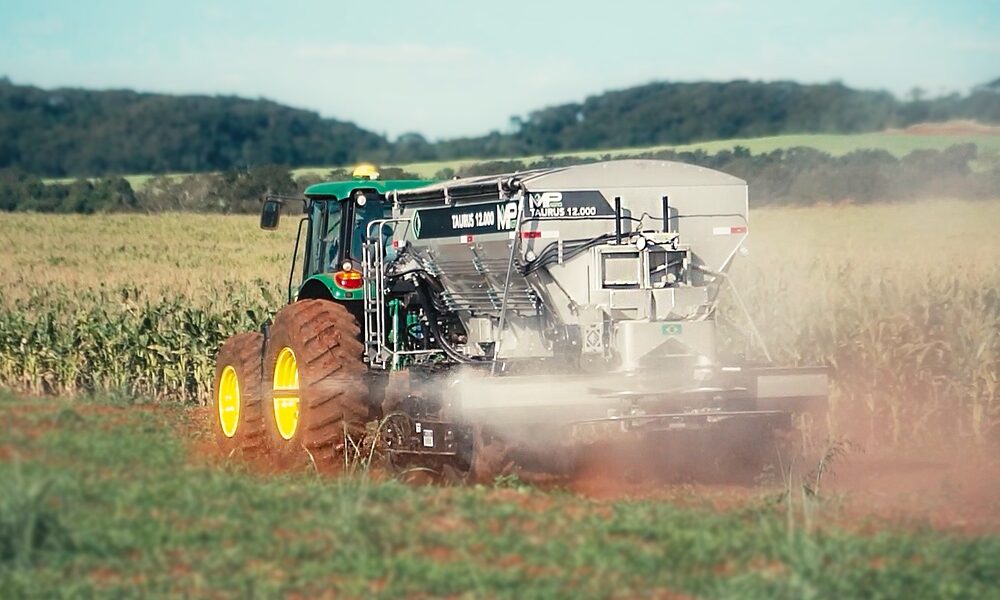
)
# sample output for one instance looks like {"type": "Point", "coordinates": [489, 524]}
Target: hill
{"type": "Point", "coordinates": [671, 113]}
{"type": "Point", "coordinates": [84, 132]}
{"type": "Point", "coordinates": [75, 132]}
{"type": "Point", "coordinates": [897, 143]}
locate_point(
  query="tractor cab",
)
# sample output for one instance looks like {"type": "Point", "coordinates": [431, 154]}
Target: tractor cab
{"type": "Point", "coordinates": [337, 214]}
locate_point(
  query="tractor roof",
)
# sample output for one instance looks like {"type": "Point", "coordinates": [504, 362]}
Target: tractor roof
{"type": "Point", "coordinates": [343, 189]}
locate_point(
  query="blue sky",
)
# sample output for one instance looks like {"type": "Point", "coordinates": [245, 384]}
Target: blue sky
{"type": "Point", "coordinates": [447, 68]}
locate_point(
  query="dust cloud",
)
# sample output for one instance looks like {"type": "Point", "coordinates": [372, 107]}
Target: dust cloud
{"type": "Point", "coordinates": [946, 484]}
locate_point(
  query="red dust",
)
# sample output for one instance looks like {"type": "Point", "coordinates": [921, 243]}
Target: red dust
{"type": "Point", "coordinates": [959, 491]}
{"type": "Point", "coordinates": [956, 491]}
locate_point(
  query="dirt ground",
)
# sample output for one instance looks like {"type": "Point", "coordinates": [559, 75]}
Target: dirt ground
{"type": "Point", "coordinates": [959, 492]}
{"type": "Point", "coordinates": [956, 127]}
{"type": "Point", "coordinates": [947, 489]}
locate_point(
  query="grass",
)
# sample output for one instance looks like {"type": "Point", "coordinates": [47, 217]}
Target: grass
{"type": "Point", "coordinates": [119, 504]}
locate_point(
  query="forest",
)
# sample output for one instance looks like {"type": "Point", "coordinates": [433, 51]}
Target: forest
{"type": "Point", "coordinates": [88, 133]}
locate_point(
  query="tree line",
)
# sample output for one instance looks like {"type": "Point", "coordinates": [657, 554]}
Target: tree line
{"type": "Point", "coordinates": [676, 113]}
{"type": "Point", "coordinates": [806, 176]}
{"type": "Point", "coordinates": [76, 132]}
{"type": "Point", "coordinates": [801, 176]}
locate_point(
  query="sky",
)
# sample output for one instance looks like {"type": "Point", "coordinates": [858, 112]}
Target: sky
{"type": "Point", "coordinates": [447, 69]}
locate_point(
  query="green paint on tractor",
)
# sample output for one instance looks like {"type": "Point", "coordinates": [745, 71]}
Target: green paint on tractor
{"type": "Point", "coordinates": [343, 189]}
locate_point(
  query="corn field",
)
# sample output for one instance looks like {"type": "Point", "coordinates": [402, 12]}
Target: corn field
{"type": "Point", "coordinates": [59, 342]}
{"type": "Point", "coordinates": [909, 357]}
{"type": "Point", "coordinates": [902, 302]}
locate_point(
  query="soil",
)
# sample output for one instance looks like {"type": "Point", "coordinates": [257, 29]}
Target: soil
{"type": "Point", "coordinates": [954, 491]}
{"type": "Point", "coordinates": [956, 127]}
{"type": "Point", "coordinates": [948, 489]}
{"type": "Point", "coordinates": [957, 491]}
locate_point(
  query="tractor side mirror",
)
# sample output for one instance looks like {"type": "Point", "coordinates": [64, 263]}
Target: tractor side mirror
{"type": "Point", "coordinates": [270, 214]}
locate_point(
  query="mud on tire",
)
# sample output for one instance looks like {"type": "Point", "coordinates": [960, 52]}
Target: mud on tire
{"type": "Point", "coordinates": [237, 414]}
{"type": "Point", "coordinates": [330, 389]}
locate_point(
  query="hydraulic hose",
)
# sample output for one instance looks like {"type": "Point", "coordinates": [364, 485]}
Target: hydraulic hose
{"type": "Point", "coordinates": [435, 329]}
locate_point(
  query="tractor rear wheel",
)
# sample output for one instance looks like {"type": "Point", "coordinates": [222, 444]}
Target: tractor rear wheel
{"type": "Point", "coordinates": [315, 380]}
{"type": "Point", "coordinates": [237, 402]}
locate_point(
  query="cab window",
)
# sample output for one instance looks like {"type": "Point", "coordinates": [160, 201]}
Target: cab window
{"type": "Point", "coordinates": [333, 238]}
{"type": "Point", "coordinates": [373, 209]}
{"type": "Point", "coordinates": [326, 237]}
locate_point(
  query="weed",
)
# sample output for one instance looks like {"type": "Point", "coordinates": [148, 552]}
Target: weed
{"type": "Point", "coordinates": [29, 523]}
{"type": "Point", "coordinates": [835, 450]}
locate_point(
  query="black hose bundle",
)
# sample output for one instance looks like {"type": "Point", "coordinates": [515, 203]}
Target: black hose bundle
{"type": "Point", "coordinates": [571, 249]}
{"type": "Point", "coordinates": [433, 310]}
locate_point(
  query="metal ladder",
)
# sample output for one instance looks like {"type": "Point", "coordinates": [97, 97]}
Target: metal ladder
{"type": "Point", "coordinates": [373, 292]}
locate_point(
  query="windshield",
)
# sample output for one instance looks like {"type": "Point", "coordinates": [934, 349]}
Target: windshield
{"type": "Point", "coordinates": [363, 215]}
{"type": "Point", "coordinates": [329, 237]}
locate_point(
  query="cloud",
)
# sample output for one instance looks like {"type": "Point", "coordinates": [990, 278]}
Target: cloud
{"type": "Point", "coordinates": [389, 53]}
{"type": "Point", "coordinates": [40, 27]}
{"type": "Point", "coordinates": [989, 45]}
{"type": "Point", "coordinates": [721, 8]}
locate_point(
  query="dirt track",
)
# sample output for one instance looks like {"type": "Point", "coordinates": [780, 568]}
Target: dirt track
{"type": "Point", "coordinates": [959, 492]}
{"type": "Point", "coordinates": [951, 493]}
{"type": "Point", "coordinates": [957, 127]}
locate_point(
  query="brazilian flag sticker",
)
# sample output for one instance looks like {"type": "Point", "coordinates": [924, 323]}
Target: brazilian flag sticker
{"type": "Point", "coordinates": [671, 329]}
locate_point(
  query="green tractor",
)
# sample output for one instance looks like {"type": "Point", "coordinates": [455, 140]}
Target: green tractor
{"type": "Point", "coordinates": [297, 387]}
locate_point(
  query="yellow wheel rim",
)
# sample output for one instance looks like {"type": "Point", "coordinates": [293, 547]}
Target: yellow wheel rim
{"type": "Point", "coordinates": [286, 393]}
{"type": "Point", "coordinates": [229, 401]}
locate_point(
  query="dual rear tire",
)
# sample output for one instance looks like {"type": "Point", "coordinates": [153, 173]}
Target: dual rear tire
{"type": "Point", "coordinates": [305, 398]}
{"type": "Point", "coordinates": [237, 403]}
